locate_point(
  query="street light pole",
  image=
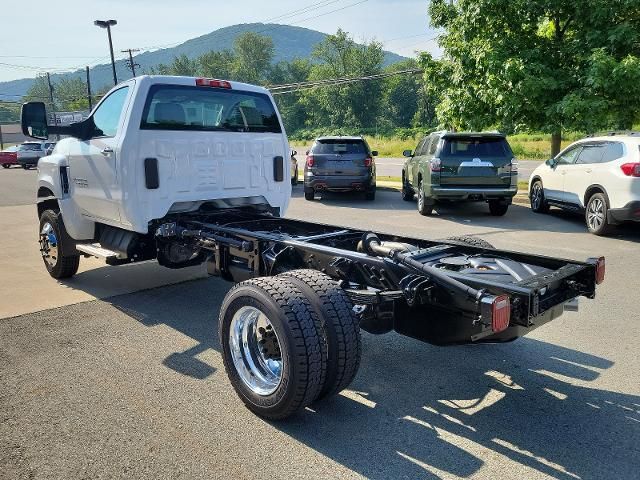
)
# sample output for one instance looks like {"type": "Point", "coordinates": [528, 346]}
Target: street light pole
{"type": "Point", "coordinates": [108, 24]}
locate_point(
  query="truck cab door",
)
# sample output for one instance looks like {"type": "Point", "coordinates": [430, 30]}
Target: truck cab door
{"type": "Point", "coordinates": [93, 163]}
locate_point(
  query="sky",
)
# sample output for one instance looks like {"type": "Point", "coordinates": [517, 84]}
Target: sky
{"type": "Point", "coordinates": [64, 37]}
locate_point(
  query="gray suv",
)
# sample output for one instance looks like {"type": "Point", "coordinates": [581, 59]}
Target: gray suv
{"type": "Point", "coordinates": [340, 164]}
{"type": "Point", "coordinates": [448, 166]}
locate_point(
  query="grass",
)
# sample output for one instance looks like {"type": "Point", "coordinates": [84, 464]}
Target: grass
{"type": "Point", "coordinates": [524, 146]}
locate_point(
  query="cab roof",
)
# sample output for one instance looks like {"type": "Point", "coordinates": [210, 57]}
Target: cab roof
{"type": "Point", "coordinates": [191, 81]}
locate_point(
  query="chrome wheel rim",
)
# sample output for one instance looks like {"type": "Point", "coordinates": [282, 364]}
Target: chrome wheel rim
{"type": "Point", "coordinates": [255, 350]}
{"type": "Point", "coordinates": [595, 214]}
{"type": "Point", "coordinates": [536, 196]}
{"type": "Point", "coordinates": [49, 245]}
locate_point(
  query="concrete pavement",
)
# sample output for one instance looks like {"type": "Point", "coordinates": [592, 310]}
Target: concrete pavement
{"type": "Point", "coordinates": [132, 386]}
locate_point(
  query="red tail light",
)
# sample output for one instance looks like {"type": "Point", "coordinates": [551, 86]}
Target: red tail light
{"type": "Point", "coordinates": [309, 161]}
{"type": "Point", "coordinates": [212, 82]}
{"type": "Point", "coordinates": [435, 164]}
{"type": "Point", "coordinates": [631, 169]}
{"type": "Point", "coordinates": [600, 270]}
{"type": "Point", "coordinates": [501, 313]}
{"type": "Point", "coordinates": [368, 162]}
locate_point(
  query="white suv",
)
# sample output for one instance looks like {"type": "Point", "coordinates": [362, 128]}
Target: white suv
{"type": "Point", "coordinates": [599, 176]}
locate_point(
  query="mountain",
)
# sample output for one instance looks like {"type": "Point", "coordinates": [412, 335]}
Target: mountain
{"type": "Point", "coordinates": [289, 42]}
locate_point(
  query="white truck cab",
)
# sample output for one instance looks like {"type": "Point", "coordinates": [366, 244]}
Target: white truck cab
{"type": "Point", "coordinates": [169, 144]}
{"type": "Point", "coordinates": [161, 145]}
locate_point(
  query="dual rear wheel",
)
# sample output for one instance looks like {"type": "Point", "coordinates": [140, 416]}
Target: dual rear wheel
{"type": "Point", "coordinates": [288, 341]}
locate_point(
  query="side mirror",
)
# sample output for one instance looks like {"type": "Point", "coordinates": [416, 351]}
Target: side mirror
{"type": "Point", "coordinates": [307, 152]}
{"type": "Point", "coordinates": [33, 119]}
{"type": "Point", "coordinates": [374, 153]}
{"type": "Point", "coordinates": [407, 153]}
{"type": "Point", "coordinates": [293, 153]}
{"type": "Point", "coordinates": [551, 162]}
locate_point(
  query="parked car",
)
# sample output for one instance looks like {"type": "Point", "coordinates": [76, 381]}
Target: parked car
{"type": "Point", "coordinates": [340, 164]}
{"type": "Point", "coordinates": [294, 168]}
{"type": "Point", "coordinates": [9, 156]}
{"type": "Point", "coordinates": [598, 177]}
{"type": "Point", "coordinates": [448, 166]}
{"type": "Point", "coordinates": [29, 153]}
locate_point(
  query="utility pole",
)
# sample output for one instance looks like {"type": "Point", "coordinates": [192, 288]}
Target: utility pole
{"type": "Point", "coordinates": [131, 65]}
{"type": "Point", "coordinates": [89, 90]}
{"type": "Point", "coordinates": [53, 106]}
{"type": "Point", "coordinates": [108, 24]}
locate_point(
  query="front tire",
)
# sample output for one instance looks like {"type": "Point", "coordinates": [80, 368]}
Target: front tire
{"type": "Point", "coordinates": [340, 327]}
{"type": "Point", "coordinates": [423, 208]}
{"type": "Point", "coordinates": [536, 198]}
{"type": "Point", "coordinates": [52, 234]}
{"type": "Point", "coordinates": [294, 180]}
{"type": "Point", "coordinates": [271, 347]}
{"type": "Point", "coordinates": [407, 192]}
{"type": "Point", "coordinates": [597, 215]}
{"type": "Point", "coordinates": [25, 166]}
{"type": "Point", "coordinates": [5, 165]}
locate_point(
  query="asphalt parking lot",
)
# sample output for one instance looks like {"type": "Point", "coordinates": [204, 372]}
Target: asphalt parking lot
{"type": "Point", "coordinates": [117, 372]}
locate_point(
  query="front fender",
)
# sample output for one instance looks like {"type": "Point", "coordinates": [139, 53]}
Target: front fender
{"type": "Point", "coordinates": [49, 174]}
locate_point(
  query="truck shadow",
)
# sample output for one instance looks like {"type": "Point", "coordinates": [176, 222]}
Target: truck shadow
{"type": "Point", "coordinates": [418, 411]}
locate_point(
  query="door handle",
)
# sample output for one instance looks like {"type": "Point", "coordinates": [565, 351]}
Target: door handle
{"type": "Point", "coordinates": [589, 170]}
{"type": "Point", "coordinates": [106, 151]}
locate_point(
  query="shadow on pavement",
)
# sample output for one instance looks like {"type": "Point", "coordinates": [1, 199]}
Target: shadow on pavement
{"type": "Point", "coordinates": [415, 410]}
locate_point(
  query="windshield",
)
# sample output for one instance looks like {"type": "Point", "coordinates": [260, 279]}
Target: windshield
{"type": "Point", "coordinates": [177, 107]}
{"type": "Point", "coordinates": [30, 147]}
{"type": "Point", "coordinates": [473, 147]}
{"type": "Point", "coordinates": [338, 146]}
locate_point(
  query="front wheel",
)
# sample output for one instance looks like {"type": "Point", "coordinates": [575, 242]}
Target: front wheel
{"type": "Point", "coordinates": [596, 215]}
{"type": "Point", "coordinates": [294, 179]}
{"type": "Point", "coordinates": [536, 198]}
{"type": "Point", "coordinates": [272, 348]}
{"type": "Point", "coordinates": [5, 165]}
{"type": "Point", "coordinates": [51, 237]}
{"type": "Point", "coordinates": [25, 166]}
{"type": "Point", "coordinates": [498, 208]}
{"type": "Point", "coordinates": [407, 192]}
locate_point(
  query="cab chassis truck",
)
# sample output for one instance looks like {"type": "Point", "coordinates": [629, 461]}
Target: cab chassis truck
{"type": "Point", "coordinates": [190, 171]}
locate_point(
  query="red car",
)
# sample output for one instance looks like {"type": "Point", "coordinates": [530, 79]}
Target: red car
{"type": "Point", "coordinates": [9, 157]}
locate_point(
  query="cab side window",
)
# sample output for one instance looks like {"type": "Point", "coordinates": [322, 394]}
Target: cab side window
{"type": "Point", "coordinates": [419, 147]}
{"type": "Point", "coordinates": [106, 118]}
{"type": "Point", "coordinates": [424, 148]}
{"type": "Point", "coordinates": [612, 151]}
{"type": "Point", "coordinates": [569, 157]}
{"type": "Point", "coordinates": [434, 145]}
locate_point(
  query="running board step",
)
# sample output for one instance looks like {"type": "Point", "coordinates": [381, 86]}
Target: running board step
{"type": "Point", "coordinates": [95, 250]}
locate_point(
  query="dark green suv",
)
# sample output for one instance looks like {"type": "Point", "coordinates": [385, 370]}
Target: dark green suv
{"type": "Point", "coordinates": [448, 166]}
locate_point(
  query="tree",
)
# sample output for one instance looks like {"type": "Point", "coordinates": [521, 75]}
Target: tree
{"type": "Point", "coordinates": [70, 94]}
{"type": "Point", "coordinates": [354, 105]}
{"type": "Point", "coordinates": [253, 54]}
{"type": "Point", "coordinates": [293, 112]}
{"type": "Point", "coordinates": [216, 64]}
{"type": "Point", "coordinates": [39, 92]}
{"type": "Point", "coordinates": [405, 100]}
{"type": "Point", "coordinates": [542, 65]}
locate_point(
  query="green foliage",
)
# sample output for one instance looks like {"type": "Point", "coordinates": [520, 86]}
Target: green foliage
{"type": "Point", "coordinates": [9, 112]}
{"type": "Point", "coordinates": [354, 104]}
{"type": "Point", "coordinates": [543, 65]}
{"type": "Point", "coordinates": [253, 54]}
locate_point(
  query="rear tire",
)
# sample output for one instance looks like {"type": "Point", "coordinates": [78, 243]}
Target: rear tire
{"type": "Point", "coordinates": [596, 215]}
{"type": "Point", "coordinates": [340, 327]}
{"type": "Point", "coordinates": [26, 167]}
{"type": "Point", "coordinates": [279, 369]}
{"type": "Point", "coordinates": [423, 208]}
{"type": "Point", "coordinates": [309, 194]}
{"type": "Point", "coordinates": [498, 208]}
{"type": "Point", "coordinates": [52, 234]}
{"type": "Point", "coordinates": [536, 198]}
{"type": "Point", "coordinates": [370, 195]}
{"type": "Point", "coordinates": [5, 165]}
